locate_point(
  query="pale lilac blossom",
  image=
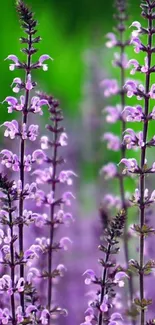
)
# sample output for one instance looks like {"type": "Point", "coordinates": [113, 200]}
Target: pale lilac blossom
{"type": "Point", "coordinates": [135, 64]}
{"type": "Point", "coordinates": [43, 58]}
{"type": "Point", "coordinates": [18, 83]}
{"type": "Point", "coordinates": [16, 63]}
{"type": "Point", "coordinates": [120, 60]}
{"type": "Point", "coordinates": [144, 68]}
{"type": "Point", "coordinates": [65, 176]}
{"type": "Point", "coordinates": [119, 277]}
{"type": "Point", "coordinates": [13, 103]}
{"type": "Point", "coordinates": [104, 306]}
{"type": "Point", "coordinates": [44, 142]}
{"type": "Point", "coordinates": [152, 91]}
{"type": "Point", "coordinates": [12, 129]}
{"type": "Point", "coordinates": [29, 85]}
{"type": "Point", "coordinates": [114, 113]}
{"type": "Point", "coordinates": [65, 243]}
{"type": "Point", "coordinates": [90, 276]}
{"type": "Point", "coordinates": [132, 139]}
{"type": "Point", "coordinates": [113, 141]}
{"type": "Point", "coordinates": [109, 170]}
{"type": "Point", "coordinates": [63, 139]}
{"type": "Point", "coordinates": [131, 164]}
{"type": "Point", "coordinates": [110, 87]}
{"type": "Point", "coordinates": [133, 114]}
{"type": "Point", "coordinates": [137, 44]}
{"type": "Point", "coordinates": [112, 41]}
{"type": "Point", "coordinates": [36, 105]}
{"type": "Point", "coordinates": [136, 32]}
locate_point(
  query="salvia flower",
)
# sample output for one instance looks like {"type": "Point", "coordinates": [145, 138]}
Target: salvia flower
{"type": "Point", "coordinates": [143, 114]}
{"type": "Point", "coordinates": [120, 114]}
{"type": "Point", "coordinates": [19, 256]}
{"type": "Point", "coordinates": [56, 202]}
{"type": "Point", "coordinates": [98, 309]}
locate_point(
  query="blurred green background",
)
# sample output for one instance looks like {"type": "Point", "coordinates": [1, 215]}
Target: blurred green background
{"type": "Point", "coordinates": [68, 28]}
{"type": "Point", "coordinates": [73, 33]}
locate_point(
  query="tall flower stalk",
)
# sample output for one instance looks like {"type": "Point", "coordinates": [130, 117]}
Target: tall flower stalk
{"type": "Point", "coordinates": [144, 115]}
{"type": "Point", "coordinates": [111, 88]}
{"type": "Point", "coordinates": [23, 133]}
{"type": "Point", "coordinates": [101, 302]}
{"type": "Point", "coordinates": [57, 199]}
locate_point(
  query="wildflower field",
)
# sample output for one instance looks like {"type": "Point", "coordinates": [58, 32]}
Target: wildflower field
{"type": "Point", "coordinates": [77, 163]}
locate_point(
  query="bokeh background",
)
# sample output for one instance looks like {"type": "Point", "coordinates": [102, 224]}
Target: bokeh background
{"type": "Point", "coordinates": [73, 34]}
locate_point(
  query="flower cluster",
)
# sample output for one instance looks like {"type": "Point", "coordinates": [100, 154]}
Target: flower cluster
{"type": "Point", "coordinates": [103, 300]}
{"type": "Point", "coordinates": [115, 114]}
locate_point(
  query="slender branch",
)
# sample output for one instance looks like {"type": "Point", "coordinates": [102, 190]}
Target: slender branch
{"type": "Point", "coordinates": [142, 176]}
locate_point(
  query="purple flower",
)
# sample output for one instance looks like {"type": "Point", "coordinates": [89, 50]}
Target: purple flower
{"type": "Point", "coordinates": [65, 243]}
{"type": "Point", "coordinates": [110, 87]}
{"type": "Point", "coordinates": [152, 91]}
{"type": "Point", "coordinates": [131, 87]}
{"type": "Point", "coordinates": [120, 60]}
{"type": "Point", "coordinates": [119, 278]}
{"type": "Point", "coordinates": [44, 142]}
{"type": "Point", "coordinates": [145, 67]}
{"type": "Point", "coordinates": [131, 164]}
{"type": "Point", "coordinates": [136, 32]}
{"type": "Point", "coordinates": [20, 285]}
{"type": "Point", "coordinates": [18, 83]}
{"type": "Point", "coordinates": [36, 105]}
{"type": "Point", "coordinates": [32, 132]}
{"type": "Point", "coordinates": [4, 316]}
{"type": "Point", "coordinates": [132, 139]}
{"type": "Point", "coordinates": [14, 105]}
{"type": "Point", "coordinates": [44, 317]}
{"type": "Point", "coordinates": [109, 170]}
{"type": "Point", "coordinates": [10, 160]}
{"type": "Point", "coordinates": [43, 58]}
{"type": "Point", "coordinates": [90, 276]}
{"type": "Point", "coordinates": [133, 114]}
{"type": "Point", "coordinates": [114, 113]}
{"type": "Point", "coordinates": [62, 269]}
{"type": "Point", "coordinates": [63, 139]}
{"type": "Point", "coordinates": [113, 141]}
{"type": "Point", "coordinates": [136, 65]}
{"type": "Point", "coordinates": [112, 41]}
{"type": "Point", "coordinates": [104, 306]}
{"type": "Point", "coordinates": [19, 315]}
{"type": "Point", "coordinates": [12, 129]}
{"type": "Point", "coordinates": [67, 196]}
{"type": "Point", "coordinates": [38, 156]}
{"type": "Point", "coordinates": [65, 176]}
{"type": "Point", "coordinates": [16, 63]}
{"type": "Point", "coordinates": [137, 44]}
{"type": "Point", "coordinates": [112, 201]}
{"type": "Point", "coordinates": [29, 85]}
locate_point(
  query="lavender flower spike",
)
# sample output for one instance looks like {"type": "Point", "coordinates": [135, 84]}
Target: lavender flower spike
{"type": "Point", "coordinates": [98, 309]}
{"type": "Point", "coordinates": [57, 204]}
{"type": "Point", "coordinates": [144, 115]}
{"type": "Point", "coordinates": [119, 114]}
{"type": "Point", "coordinates": [23, 305]}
